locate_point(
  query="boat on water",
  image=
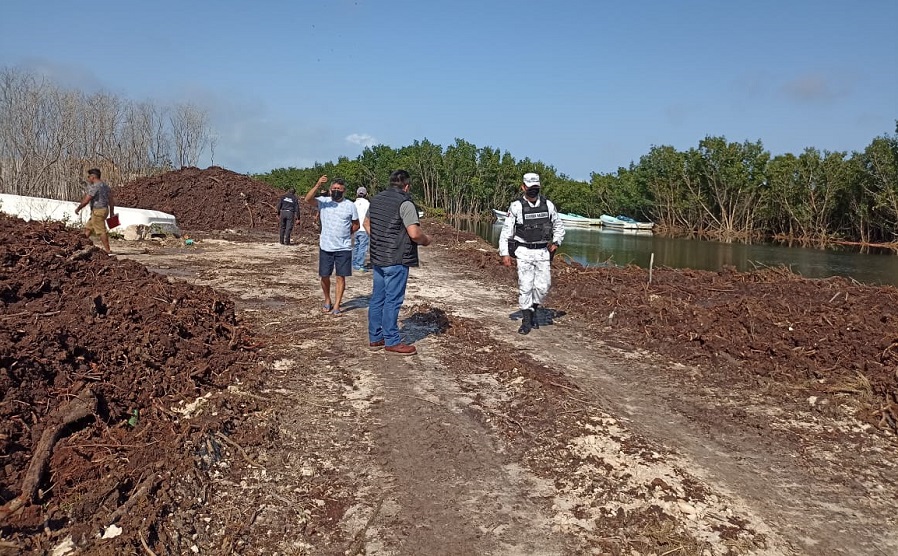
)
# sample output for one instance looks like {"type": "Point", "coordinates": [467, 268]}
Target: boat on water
{"type": "Point", "coordinates": [570, 220]}
{"type": "Point", "coordinates": [577, 221]}
{"type": "Point", "coordinates": [624, 223]}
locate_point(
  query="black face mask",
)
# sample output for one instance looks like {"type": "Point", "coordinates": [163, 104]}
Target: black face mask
{"type": "Point", "coordinates": [336, 195]}
{"type": "Point", "coordinates": [533, 192]}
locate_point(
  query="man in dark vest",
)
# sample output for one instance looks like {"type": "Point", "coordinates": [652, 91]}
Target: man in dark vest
{"type": "Point", "coordinates": [395, 232]}
{"type": "Point", "coordinates": [288, 214]}
{"type": "Point", "coordinates": [531, 233]}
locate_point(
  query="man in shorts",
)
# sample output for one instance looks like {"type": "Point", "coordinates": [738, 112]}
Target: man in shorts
{"type": "Point", "coordinates": [99, 197]}
{"type": "Point", "coordinates": [339, 220]}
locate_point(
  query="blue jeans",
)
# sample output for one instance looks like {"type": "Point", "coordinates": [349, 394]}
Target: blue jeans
{"type": "Point", "coordinates": [386, 300]}
{"type": "Point", "coordinates": [359, 250]}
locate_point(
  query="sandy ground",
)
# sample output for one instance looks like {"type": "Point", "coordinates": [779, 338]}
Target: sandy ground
{"type": "Point", "coordinates": [488, 442]}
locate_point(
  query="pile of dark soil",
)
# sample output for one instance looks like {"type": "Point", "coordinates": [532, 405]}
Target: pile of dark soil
{"type": "Point", "coordinates": [808, 337]}
{"type": "Point", "coordinates": [210, 199]}
{"type": "Point", "coordinates": [97, 355]}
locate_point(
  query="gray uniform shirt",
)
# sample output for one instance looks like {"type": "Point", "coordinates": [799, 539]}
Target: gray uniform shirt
{"type": "Point", "coordinates": [99, 195]}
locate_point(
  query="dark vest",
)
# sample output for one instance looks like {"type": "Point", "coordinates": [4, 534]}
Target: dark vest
{"type": "Point", "coordinates": [289, 203]}
{"type": "Point", "coordinates": [390, 243]}
{"type": "Point", "coordinates": [537, 226]}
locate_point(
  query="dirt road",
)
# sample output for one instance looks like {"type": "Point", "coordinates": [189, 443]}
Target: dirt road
{"type": "Point", "coordinates": [488, 442]}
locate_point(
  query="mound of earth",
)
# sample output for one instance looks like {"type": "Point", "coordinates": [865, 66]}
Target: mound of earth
{"type": "Point", "coordinates": [210, 199]}
{"type": "Point", "coordinates": [803, 337]}
{"type": "Point", "coordinates": [101, 364]}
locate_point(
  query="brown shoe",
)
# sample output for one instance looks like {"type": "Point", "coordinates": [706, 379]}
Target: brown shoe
{"type": "Point", "coordinates": [401, 349]}
{"type": "Point", "coordinates": [374, 346]}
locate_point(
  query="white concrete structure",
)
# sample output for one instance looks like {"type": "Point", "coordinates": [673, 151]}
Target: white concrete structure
{"type": "Point", "coordinates": [135, 223]}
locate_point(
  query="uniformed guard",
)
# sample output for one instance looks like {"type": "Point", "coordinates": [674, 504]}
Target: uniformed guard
{"type": "Point", "coordinates": [531, 234]}
{"type": "Point", "coordinates": [288, 214]}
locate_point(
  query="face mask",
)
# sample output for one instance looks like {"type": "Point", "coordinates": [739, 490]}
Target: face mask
{"type": "Point", "coordinates": [336, 195]}
{"type": "Point", "coordinates": [533, 192]}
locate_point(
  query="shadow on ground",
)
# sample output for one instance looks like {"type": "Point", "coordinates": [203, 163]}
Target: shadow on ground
{"type": "Point", "coordinates": [424, 323]}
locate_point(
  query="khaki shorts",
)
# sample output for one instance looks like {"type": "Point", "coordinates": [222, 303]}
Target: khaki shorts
{"type": "Point", "coordinates": [97, 222]}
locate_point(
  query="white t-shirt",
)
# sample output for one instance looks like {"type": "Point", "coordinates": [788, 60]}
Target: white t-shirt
{"type": "Point", "coordinates": [361, 206]}
{"type": "Point", "coordinates": [336, 223]}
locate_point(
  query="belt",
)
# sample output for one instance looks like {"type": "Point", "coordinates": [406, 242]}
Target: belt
{"type": "Point", "coordinates": [533, 245]}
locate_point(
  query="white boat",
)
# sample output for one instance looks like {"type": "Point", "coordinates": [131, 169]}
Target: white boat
{"type": "Point", "coordinates": [577, 221]}
{"type": "Point", "coordinates": [624, 223]}
{"type": "Point", "coordinates": [133, 223]}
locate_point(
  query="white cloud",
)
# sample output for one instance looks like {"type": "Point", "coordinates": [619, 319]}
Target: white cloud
{"type": "Point", "coordinates": [362, 139]}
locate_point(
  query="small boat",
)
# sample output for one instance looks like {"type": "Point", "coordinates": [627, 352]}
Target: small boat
{"type": "Point", "coordinates": [577, 221]}
{"type": "Point", "coordinates": [500, 215]}
{"type": "Point", "coordinates": [624, 223]}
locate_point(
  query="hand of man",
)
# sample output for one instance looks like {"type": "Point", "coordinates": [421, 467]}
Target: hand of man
{"type": "Point", "coordinates": [552, 247]}
{"type": "Point", "coordinates": [77, 210]}
{"type": "Point", "coordinates": [506, 260]}
{"type": "Point", "coordinates": [321, 181]}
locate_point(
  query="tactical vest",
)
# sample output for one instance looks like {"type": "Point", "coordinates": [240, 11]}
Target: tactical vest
{"type": "Point", "coordinates": [390, 243]}
{"type": "Point", "coordinates": [536, 229]}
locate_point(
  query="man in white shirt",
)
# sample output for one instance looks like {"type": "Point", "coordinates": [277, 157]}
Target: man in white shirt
{"type": "Point", "coordinates": [360, 247]}
{"type": "Point", "coordinates": [531, 233]}
{"type": "Point", "coordinates": [339, 220]}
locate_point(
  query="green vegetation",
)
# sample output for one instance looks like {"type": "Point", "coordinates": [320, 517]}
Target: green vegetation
{"type": "Point", "coordinates": [719, 189]}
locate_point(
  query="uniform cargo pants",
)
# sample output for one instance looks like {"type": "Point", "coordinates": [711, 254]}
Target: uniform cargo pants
{"type": "Point", "coordinates": [534, 275]}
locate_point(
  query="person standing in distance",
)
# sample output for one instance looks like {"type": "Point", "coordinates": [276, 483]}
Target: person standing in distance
{"type": "Point", "coordinates": [531, 233]}
{"type": "Point", "coordinates": [288, 214]}
{"type": "Point", "coordinates": [99, 197]}
{"type": "Point", "coordinates": [360, 247]}
{"type": "Point", "coordinates": [395, 234]}
{"type": "Point", "coordinates": [339, 220]}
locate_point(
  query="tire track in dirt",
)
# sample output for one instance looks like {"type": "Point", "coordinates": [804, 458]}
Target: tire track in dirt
{"type": "Point", "coordinates": [457, 492]}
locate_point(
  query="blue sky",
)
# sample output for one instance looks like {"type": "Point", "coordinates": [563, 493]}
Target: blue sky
{"type": "Point", "coordinates": [586, 86]}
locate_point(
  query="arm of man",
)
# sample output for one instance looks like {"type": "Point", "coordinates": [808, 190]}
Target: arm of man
{"type": "Point", "coordinates": [409, 214]}
{"type": "Point", "coordinates": [557, 226]}
{"type": "Point", "coordinates": [111, 205]}
{"type": "Point", "coordinates": [355, 221]}
{"type": "Point", "coordinates": [309, 199]}
{"type": "Point", "coordinates": [367, 225]}
{"type": "Point", "coordinates": [507, 233]}
{"type": "Point", "coordinates": [84, 202]}
{"type": "Point", "coordinates": [417, 234]}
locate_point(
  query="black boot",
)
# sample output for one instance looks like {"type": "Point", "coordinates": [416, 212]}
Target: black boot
{"type": "Point", "coordinates": [526, 321]}
{"type": "Point", "coordinates": [535, 318]}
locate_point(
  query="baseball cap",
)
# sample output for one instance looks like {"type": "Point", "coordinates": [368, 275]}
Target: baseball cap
{"type": "Point", "coordinates": [361, 191]}
{"type": "Point", "coordinates": [531, 179]}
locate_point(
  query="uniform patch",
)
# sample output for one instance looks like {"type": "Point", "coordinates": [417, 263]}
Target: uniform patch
{"type": "Point", "coordinates": [536, 215]}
